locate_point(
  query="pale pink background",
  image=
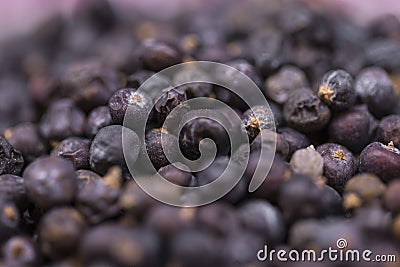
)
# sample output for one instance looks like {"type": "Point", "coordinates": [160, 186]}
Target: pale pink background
{"type": "Point", "coordinates": [19, 16]}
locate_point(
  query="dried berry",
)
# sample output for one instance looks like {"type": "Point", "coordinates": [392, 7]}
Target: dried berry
{"type": "Point", "coordinates": [61, 120]}
{"type": "Point", "coordinates": [296, 204]}
{"type": "Point", "coordinates": [339, 164]}
{"type": "Point", "coordinates": [97, 199]}
{"type": "Point", "coordinates": [76, 150]}
{"type": "Point", "coordinates": [263, 219]}
{"type": "Point", "coordinates": [98, 118]}
{"type": "Point", "coordinates": [25, 137]}
{"type": "Point", "coordinates": [389, 130]}
{"type": "Point", "coordinates": [336, 90]}
{"type": "Point", "coordinates": [65, 224]}
{"type": "Point", "coordinates": [196, 130]}
{"type": "Point", "coordinates": [126, 99]}
{"type": "Point", "coordinates": [295, 139]}
{"type": "Point", "coordinates": [305, 112]}
{"type": "Point", "coordinates": [157, 55]}
{"type": "Point", "coordinates": [167, 102]}
{"type": "Point", "coordinates": [307, 161]}
{"type": "Point", "coordinates": [50, 181]}
{"type": "Point", "coordinates": [209, 217]}
{"type": "Point", "coordinates": [134, 201]}
{"type": "Point", "coordinates": [90, 84]}
{"type": "Point", "coordinates": [177, 176]}
{"type": "Point", "coordinates": [21, 251]}
{"type": "Point", "coordinates": [271, 141]}
{"type": "Point", "coordinates": [214, 171]}
{"type": "Point", "coordinates": [110, 243]}
{"type": "Point", "coordinates": [362, 189]}
{"type": "Point", "coordinates": [12, 188]}
{"type": "Point", "coordinates": [106, 149]}
{"type": "Point", "coordinates": [169, 221]}
{"type": "Point", "coordinates": [158, 140]}
{"type": "Point", "coordinates": [276, 177]}
{"type": "Point", "coordinates": [381, 160]}
{"type": "Point", "coordinates": [374, 87]}
{"type": "Point", "coordinates": [256, 119]}
{"type": "Point", "coordinates": [11, 160]}
{"type": "Point", "coordinates": [279, 86]}
{"type": "Point", "coordinates": [391, 197]}
{"type": "Point", "coordinates": [353, 129]}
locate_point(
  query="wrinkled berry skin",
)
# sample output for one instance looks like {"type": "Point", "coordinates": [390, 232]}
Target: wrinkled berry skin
{"type": "Point", "coordinates": [305, 112]}
{"type": "Point", "coordinates": [353, 128]}
{"type": "Point", "coordinates": [339, 164]}
{"type": "Point", "coordinates": [76, 150]}
{"type": "Point", "coordinates": [381, 160]}
{"type": "Point", "coordinates": [374, 87]}
{"type": "Point", "coordinates": [389, 130]}
{"type": "Point", "coordinates": [167, 102]}
{"type": "Point", "coordinates": [61, 120]}
{"type": "Point", "coordinates": [336, 89]}
{"type": "Point", "coordinates": [197, 129]}
{"type": "Point", "coordinates": [25, 137]}
{"type": "Point", "coordinates": [98, 118]}
{"type": "Point", "coordinates": [50, 181]}
{"type": "Point", "coordinates": [157, 55]}
{"type": "Point", "coordinates": [156, 141]}
{"type": "Point", "coordinates": [11, 160]}
{"type": "Point", "coordinates": [65, 224]}
{"type": "Point", "coordinates": [106, 148]}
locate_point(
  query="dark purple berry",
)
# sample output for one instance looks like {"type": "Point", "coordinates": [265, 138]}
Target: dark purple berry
{"type": "Point", "coordinates": [98, 118]}
{"type": "Point", "coordinates": [97, 199]}
{"type": "Point", "coordinates": [25, 137]}
{"type": "Point", "coordinates": [392, 197]}
{"type": "Point", "coordinates": [167, 102]}
{"type": "Point", "coordinates": [76, 150]}
{"type": "Point", "coordinates": [157, 55]}
{"type": "Point", "coordinates": [128, 99]}
{"type": "Point", "coordinates": [9, 219]}
{"type": "Point", "coordinates": [279, 86]}
{"type": "Point", "coordinates": [339, 164]}
{"type": "Point", "coordinates": [50, 181]}
{"type": "Point", "coordinates": [256, 119]}
{"type": "Point", "coordinates": [196, 130]}
{"type": "Point", "coordinates": [389, 130]}
{"type": "Point", "coordinates": [61, 120]}
{"type": "Point", "coordinates": [90, 84]}
{"type": "Point", "coordinates": [336, 89]}
{"type": "Point", "coordinates": [353, 128]}
{"type": "Point", "coordinates": [106, 148]}
{"type": "Point", "coordinates": [381, 160]}
{"type": "Point", "coordinates": [295, 139]}
{"type": "Point", "coordinates": [65, 224]}
{"type": "Point", "coordinates": [158, 140]}
{"type": "Point", "coordinates": [374, 87]}
{"type": "Point", "coordinates": [177, 176]}
{"type": "Point", "coordinates": [305, 112]}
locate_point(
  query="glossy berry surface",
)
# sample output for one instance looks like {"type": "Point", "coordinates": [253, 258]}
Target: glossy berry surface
{"type": "Point", "coordinates": [11, 160]}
